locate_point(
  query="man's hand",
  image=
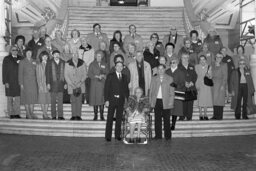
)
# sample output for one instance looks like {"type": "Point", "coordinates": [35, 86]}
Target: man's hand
{"type": "Point", "coordinates": [107, 103]}
{"type": "Point", "coordinates": [7, 85]}
{"type": "Point", "coordinates": [22, 87]}
{"type": "Point", "coordinates": [48, 86]}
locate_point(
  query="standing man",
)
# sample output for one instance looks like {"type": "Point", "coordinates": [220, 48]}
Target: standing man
{"type": "Point", "coordinates": [35, 43]}
{"type": "Point", "coordinates": [116, 92]}
{"type": "Point", "coordinates": [48, 47]}
{"type": "Point", "coordinates": [55, 83]}
{"type": "Point", "coordinates": [96, 37]}
{"type": "Point", "coordinates": [10, 71]}
{"type": "Point", "coordinates": [133, 37]}
{"type": "Point", "coordinates": [162, 100]}
{"type": "Point", "coordinates": [174, 38]}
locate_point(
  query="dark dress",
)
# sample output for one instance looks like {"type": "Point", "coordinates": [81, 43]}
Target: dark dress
{"type": "Point", "coordinates": [27, 78]}
{"type": "Point", "coordinates": [230, 64]}
{"type": "Point", "coordinates": [214, 44]}
{"type": "Point", "coordinates": [152, 59]}
{"type": "Point", "coordinates": [190, 76]}
{"type": "Point", "coordinates": [179, 81]}
{"type": "Point", "coordinates": [10, 75]}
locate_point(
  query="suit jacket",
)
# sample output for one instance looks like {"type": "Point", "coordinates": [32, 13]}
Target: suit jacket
{"type": "Point", "coordinates": [43, 48]}
{"type": "Point", "coordinates": [137, 40]}
{"type": "Point", "coordinates": [10, 75]}
{"type": "Point", "coordinates": [58, 85]}
{"type": "Point", "coordinates": [177, 40]}
{"type": "Point", "coordinates": [94, 40]}
{"type": "Point", "coordinates": [167, 91]}
{"type": "Point", "coordinates": [35, 46]}
{"type": "Point", "coordinates": [114, 88]}
{"type": "Point", "coordinates": [190, 74]}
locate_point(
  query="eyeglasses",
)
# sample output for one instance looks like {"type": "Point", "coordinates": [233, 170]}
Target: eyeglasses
{"type": "Point", "coordinates": [154, 37]}
{"type": "Point", "coordinates": [242, 64]}
{"type": "Point", "coordinates": [173, 62]}
{"type": "Point", "coordinates": [14, 49]}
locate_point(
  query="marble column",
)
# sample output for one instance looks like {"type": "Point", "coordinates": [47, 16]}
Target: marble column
{"type": "Point", "coordinates": [253, 58]}
{"type": "Point", "coordinates": [3, 53]}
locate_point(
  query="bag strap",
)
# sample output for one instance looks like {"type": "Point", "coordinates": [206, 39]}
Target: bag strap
{"type": "Point", "coordinates": [208, 69]}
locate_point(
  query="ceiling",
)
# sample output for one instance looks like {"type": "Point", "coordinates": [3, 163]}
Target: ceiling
{"type": "Point", "coordinates": [223, 14]}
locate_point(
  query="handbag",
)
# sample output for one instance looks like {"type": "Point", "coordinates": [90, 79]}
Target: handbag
{"type": "Point", "coordinates": [208, 81]}
{"type": "Point", "coordinates": [251, 109]}
{"type": "Point", "coordinates": [190, 95]}
{"type": "Point", "coordinates": [77, 92]}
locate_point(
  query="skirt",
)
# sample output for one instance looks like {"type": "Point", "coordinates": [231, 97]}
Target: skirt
{"type": "Point", "coordinates": [44, 98]}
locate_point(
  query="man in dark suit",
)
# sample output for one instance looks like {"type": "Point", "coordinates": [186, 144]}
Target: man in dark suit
{"type": "Point", "coordinates": [116, 92]}
{"type": "Point", "coordinates": [48, 47]}
{"type": "Point", "coordinates": [35, 43]}
{"type": "Point", "coordinates": [10, 70]}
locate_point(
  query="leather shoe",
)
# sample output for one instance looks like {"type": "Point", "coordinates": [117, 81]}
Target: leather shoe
{"type": "Point", "coordinates": [78, 118]}
{"type": "Point", "coordinates": [12, 116]}
{"type": "Point", "coordinates": [201, 118]}
{"type": "Point", "coordinates": [54, 118]}
{"type": "Point", "coordinates": [107, 139]}
{"type": "Point", "coordinates": [72, 118]}
{"type": "Point", "coordinates": [61, 118]}
{"type": "Point", "coordinates": [119, 139]}
{"type": "Point", "coordinates": [172, 127]}
{"type": "Point", "coordinates": [17, 116]}
{"type": "Point", "coordinates": [206, 118]}
{"type": "Point", "coordinates": [246, 117]}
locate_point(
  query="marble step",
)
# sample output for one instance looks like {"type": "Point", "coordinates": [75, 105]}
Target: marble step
{"type": "Point", "coordinates": [97, 129]}
{"type": "Point", "coordinates": [124, 8]}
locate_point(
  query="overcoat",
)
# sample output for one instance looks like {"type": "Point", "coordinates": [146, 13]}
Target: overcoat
{"type": "Point", "coordinates": [167, 91]}
{"type": "Point", "coordinates": [10, 75]}
{"type": "Point", "coordinates": [179, 81]}
{"type": "Point", "coordinates": [234, 86]}
{"type": "Point", "coordinates": [134, 82]}
{"type": "Point", "coordinates": [219, 77]}
{"type": "Point", "coordinates": [96, 85]}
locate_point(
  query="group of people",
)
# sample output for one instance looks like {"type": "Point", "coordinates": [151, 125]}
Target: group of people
{"type": "Point", "coordinates": [128, 76]}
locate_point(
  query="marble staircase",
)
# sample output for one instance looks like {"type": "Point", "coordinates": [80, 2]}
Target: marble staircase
{"type": "Point", "coordinates": [88, 128]}
{"type": "Point", "coordinates": [147, 19]}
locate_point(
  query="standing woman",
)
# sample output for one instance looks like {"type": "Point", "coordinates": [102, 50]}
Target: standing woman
{"type": "Point", "coordinates": [190, 82]}
{"type": "Point", "coordinates": [242, 87]}
{"type": "Point", "coordinates": [75, 75]}
{"type": "Point", "coordinates": [20, 44]}
{"type": "Point", "coordinates": [60, 44]}
{"type": "Point", "coordinates": [117, 37]}
{"type": "Point", "coordinates": [140, 74]}
{"type": "Point", "coordinates": [219, 77]}
{"type": "Point", "coordinates": [28, 83]}
{"type": "Point", "coordinates": [240, 56]}
{"type": "Point", "coordinates": [151, 55]}
{"type": "Point", "coordinates": [98, 70]}
{"type": "Point", "coordinates": [44, 97]}
{"type": "Point", "coordinates": [74, 43]}
{"type": "Point", "coordinates": [204, 91]}
{"type": "Point", "coordinates": [210, 59]}
{"type": "Point", "coordinates": [161, 98]}
{"type": "Point", "coordinates": [158, 45]}
{"type": "Point", "coordinates": [179, 85]}
{"type": "Point", "coordinates": [117, 51]}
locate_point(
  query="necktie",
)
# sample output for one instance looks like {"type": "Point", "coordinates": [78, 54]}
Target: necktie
{"type": "Point", "coordinates": [119, 77]}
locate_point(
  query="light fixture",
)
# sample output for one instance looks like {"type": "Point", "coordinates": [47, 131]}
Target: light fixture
{"type": "Point", "coordinates": [121, 1]}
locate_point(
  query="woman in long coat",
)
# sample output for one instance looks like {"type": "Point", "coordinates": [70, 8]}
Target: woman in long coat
{"type": "Point", "coordinates": [140, 74]}
{"type": "Point", "coordinates": [179, 85]}
{"type": "Point", "coordinates": [97, 73]}
{"type": "Point", "coordinates": [241, 88]}
{"type": "Point", "coordinates": [204, 92]}
{"type": "Point", "coordinates": [44, 97]}
{"type": "Point", "coordinates": [219, 77]}
{"type": "Point", "coordinates": [28, 83]}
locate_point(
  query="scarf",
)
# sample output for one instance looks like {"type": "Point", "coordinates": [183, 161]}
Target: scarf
{"type": "Point", "coordinates": [54, 74]}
